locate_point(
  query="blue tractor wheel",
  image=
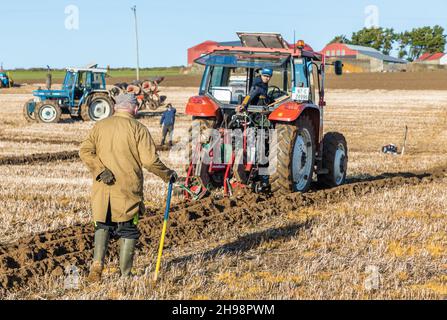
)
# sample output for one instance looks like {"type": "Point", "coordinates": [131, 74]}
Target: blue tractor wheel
{"type": "Point", "coordinates": [28, 111]}
{"type": "Point", "coordinates": [48, 111]}
{"type": "Point", "coordinates": [98, 107]}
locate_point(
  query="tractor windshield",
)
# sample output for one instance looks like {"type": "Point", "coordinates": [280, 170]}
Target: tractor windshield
{"type": "Point", "coordinates": [244, 59]}
{"type": "Point", "coordinates": [229, 76]}
{"type": "Point", "coordinates": [301, 73]}
{"type": "Point", "coordinates": [69, 81]}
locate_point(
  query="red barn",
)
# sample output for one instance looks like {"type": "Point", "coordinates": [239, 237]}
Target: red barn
{"type": "Point", "coordinates": [433, 58]}
{"type": "Point", "coordinates": [200, 49]}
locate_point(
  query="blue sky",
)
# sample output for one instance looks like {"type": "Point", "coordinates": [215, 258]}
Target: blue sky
{"type": "Point", "coordinates": [37, 35]}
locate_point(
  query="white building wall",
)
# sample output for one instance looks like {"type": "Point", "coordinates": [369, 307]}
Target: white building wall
{"type": "Point", "coordinates": [443, 61]}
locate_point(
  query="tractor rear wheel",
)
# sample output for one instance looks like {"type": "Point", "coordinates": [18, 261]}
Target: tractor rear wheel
{"type": "Point", "coordinates": [335, 159]}
{"type": "Point", "coordinates": [199, 133]}
{"type": "Point", "coordinates": [48, 111]}
{"type": "Point", "coordinates": [98, 107]}
{"type": "Point", "coordinates": [29, 116]}
{"type": "Point", "coordinates": [294, 150]}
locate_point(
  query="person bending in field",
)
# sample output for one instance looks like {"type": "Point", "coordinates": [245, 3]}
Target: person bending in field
{"type": "Point", "coordinates": [115, 152]}
{"type": "Point", "coordinates": [258, 91]}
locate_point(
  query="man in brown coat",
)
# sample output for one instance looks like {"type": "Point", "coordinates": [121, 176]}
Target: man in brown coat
{"type": "Point", "coordinates": [115, 152]}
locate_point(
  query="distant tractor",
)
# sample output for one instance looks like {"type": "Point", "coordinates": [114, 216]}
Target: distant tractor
{"type": "Point", "coordinates": [83, 96]}
{"type": "Point", "coordinates": [5, 80]}
{"type": "Point", "coordinates": [233, 149]}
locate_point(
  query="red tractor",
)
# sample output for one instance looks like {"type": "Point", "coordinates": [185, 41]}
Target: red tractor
{"type": "Point", "coordinates": [276, 145]}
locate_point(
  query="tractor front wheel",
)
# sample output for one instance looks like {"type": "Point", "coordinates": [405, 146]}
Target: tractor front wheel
{"type": "Point", "coordinates": [98, 107]}
{"type": "Point", "coordinates": [292, 156]}
{"type": "Point", "coordinates": [29, 116]}
{"type": "Point", "coordinates": [47, 112]}
{"type": "Point", "coordinates": [335, 160]}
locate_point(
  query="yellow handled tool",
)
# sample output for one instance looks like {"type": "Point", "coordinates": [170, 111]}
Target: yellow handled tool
{"type": "Point", "coordinates": [163, 233]}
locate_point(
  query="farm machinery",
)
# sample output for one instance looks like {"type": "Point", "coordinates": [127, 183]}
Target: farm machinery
{"type": "Point", "coordinates": [83, 96]}
{"type": "Point", "coordinates": [5, 80]}
{"type": "Point", "coordinates": [277, 145]}
{"type": "Point", "coordinates": [147, 92]}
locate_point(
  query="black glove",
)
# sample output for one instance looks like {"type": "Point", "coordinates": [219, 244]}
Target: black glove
{"type": "Point", "coordinates": [174, 177]}
{"type": "Point", "coordinates": [107, 177]}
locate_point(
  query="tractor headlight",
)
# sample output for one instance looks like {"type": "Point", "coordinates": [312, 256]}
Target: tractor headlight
{"type": "Point", "coordinates": [37, 99]}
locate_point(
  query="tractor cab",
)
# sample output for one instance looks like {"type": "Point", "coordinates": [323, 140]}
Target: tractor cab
{"type": "Point", "coordinates": [83, 95]}
{"type": "Point", "coordinates": [229, 76]}
{"type": "Point", "coordinates": [5, 81]}
{"type": "Point", "coordinates": [298, 72]}
{"type": "Point", "coordinates": [79, 81]}
{"type": "Point", "coordinates": [277, 144]}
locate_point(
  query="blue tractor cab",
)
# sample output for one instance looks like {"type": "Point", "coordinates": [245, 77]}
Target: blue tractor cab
{"type": "Point", "coordinates": [83, 95]}
{"type": "Point", "coordinates": [5, 80]}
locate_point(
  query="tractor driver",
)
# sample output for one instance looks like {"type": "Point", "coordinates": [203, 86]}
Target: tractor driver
{"type": "Point", "coordinates": [258, 91]}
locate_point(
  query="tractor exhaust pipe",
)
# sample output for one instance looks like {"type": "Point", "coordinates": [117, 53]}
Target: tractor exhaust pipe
{"type": "Point", "coordinates": [49, 79]}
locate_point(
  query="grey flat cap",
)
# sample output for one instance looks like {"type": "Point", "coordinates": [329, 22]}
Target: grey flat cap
{"type": "Point", "coordinates": [126, 99]}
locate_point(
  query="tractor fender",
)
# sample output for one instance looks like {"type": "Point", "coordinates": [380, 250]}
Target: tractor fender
{"type": "Point", "coordinates": [86, 100]}
{"type": "Point", "coordinates": [289, 111]}
{"type": "Point", "coordinates": [201, 106]}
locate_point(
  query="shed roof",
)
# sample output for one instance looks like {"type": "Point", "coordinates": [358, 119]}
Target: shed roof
{"type": "Point", "coordinates": [374, 53]}
{"type": "Point", "coordinates": [431, 56]}
{"type": "Point", "coordinates": [361, 48]}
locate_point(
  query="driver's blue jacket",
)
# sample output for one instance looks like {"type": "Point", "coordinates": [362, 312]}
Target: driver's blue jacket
{"type": "Point", "coordinates": [258, 89]}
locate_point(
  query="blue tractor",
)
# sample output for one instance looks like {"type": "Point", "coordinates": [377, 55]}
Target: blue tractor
{"type": "Point", "coordinates": [83, 96]}
{"type": "Point", "coordinates": [5, 80]}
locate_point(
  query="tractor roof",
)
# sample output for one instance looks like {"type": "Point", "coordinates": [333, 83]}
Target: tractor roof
{"type": "Point", "coordinates": [94, 70]}
{"type": "Point", "coordinates": [261, 49]}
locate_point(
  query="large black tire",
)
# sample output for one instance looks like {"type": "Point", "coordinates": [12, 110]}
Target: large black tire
{"type": "Point", "coordinates": [335, 160]}
{"type": "Point", "coordinates": [47, 111]}
{"type": "Point", "coordinates": [98, 107]}
{"type": "Point", "coordinates": [282, 179]}
{"type": "Point", "coordinates": [201, 127]}
{"type": "Point", "coordinates": [29, 116]}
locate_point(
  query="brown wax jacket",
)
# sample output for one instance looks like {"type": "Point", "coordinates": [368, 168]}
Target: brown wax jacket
{"type": "Point", "coordinates": [123, 145]}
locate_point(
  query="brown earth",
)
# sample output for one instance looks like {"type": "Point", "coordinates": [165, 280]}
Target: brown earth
{"type": "Point", "coordinates": [25, 260]}
{"type": "Point", "coordinates": [38, 158]}
{"type": "Point", "coordinates": [51, 157]}
{"type": "Point", "coordinates": [435, 80]}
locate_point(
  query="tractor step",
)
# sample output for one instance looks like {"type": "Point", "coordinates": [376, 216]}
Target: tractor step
{"type": "Point", "coordinates": [323, 171]}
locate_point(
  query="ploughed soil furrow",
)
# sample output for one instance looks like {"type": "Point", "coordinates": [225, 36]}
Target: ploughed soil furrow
{"type": "Point", "coordinates": [24, 261]}
{"type": "Point", "coordinates": [50, 157]}
{"type": "Point", "coordinates": [39, 158]}
{"type": "Point", "coordinates": [38, 140]}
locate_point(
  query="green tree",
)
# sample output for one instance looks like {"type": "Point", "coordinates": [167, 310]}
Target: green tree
{"type": "Point", "coordinates": [340, 39]}
{"type": "Point", "coordinates": [378, 38]}
{"type": "Point", "coordinates": [414, 43]}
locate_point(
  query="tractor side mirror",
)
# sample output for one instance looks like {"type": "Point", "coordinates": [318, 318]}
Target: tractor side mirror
{"type": "Point", "coordinates": [338, 65]}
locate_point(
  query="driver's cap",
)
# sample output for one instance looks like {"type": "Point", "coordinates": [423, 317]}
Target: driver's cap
{"type": "Point", "coordinates": [267, 72]}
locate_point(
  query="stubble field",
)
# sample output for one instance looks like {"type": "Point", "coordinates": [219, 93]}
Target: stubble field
{"type": "Point", "coordinates": [382, 235]}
